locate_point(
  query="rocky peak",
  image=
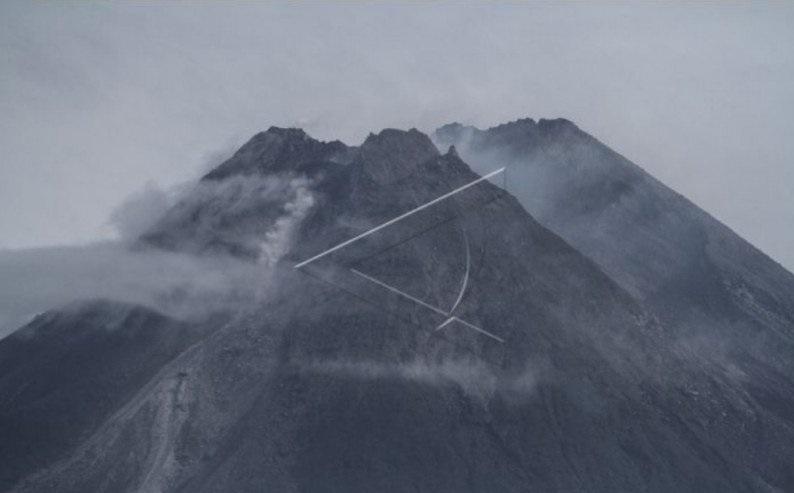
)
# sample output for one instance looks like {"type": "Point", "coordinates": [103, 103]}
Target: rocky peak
{"type": "Point", "coordinates": [277, 150]}
{"type": "Point", "coordinates": [239, 201]}
{"type": "Point", "coordinates": [524, 135]}
{"type": "Point", "coordinates": [523, 127]}
{"type": "Point", "coordinates": [526, 130]}
{"type": "Point", "coordinates": [393, 153]}
{"type": "Point", "coordinates": [453, 133]}
{"type": "Point", "coordinates": [558, 126]}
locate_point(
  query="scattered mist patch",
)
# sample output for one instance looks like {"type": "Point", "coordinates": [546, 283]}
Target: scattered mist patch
{"type": "Point", "coordinates": [279, 236]}
{"type": "Point", "coordinates": [190, 280]}
{"type": "Point", "coordinates": [214, 158]}
{"type": "Point", "coordinates": [250, 216]}
{"type": "Point", "coordinates": [181, 285]}
{"type": "Point", "coordinates": [139, 211]}
{"type": "Point", "coordinates": [474, 377]}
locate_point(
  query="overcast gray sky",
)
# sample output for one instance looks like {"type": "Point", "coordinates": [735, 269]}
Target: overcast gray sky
{"type": "Point", "coordinates": [97, 99]}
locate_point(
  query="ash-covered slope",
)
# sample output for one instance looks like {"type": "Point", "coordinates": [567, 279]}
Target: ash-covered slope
{"type": "Point", "coordinates": [67, 371]}
{"type": "Point", "coordinates": [333, 383]}
{"type": "Point", "coordinates": [728, 303]}
{"type": "Point", "coordinates": [654, 242]}
{"type": "Point", "coordinates": [726, 299]}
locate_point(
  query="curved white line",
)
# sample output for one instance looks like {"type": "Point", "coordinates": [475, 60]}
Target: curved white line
{"type": "Point", "coordinates": [465, 276]}
{"type": "Point", "coordinates": [446, 322]}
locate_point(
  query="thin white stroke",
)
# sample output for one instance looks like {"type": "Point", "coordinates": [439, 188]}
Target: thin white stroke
{"type": "Point", "coordinates": [465, 276]}
{"type": "Point", "coordinates": [467, 324]}
{"type": "Point", "coordinates": [431, 307]}
{"type": "Point", "coordinates": [481, 331]}
{"type": "Point", "coordinates": [446, 322]}
{"type": "Point", "coordinates": [395, 290]}
{"type": "Point", "coordinates": [398, 218]}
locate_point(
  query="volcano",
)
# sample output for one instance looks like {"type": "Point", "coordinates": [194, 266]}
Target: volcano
{"type": "Point", "coordinates": [522, 310]}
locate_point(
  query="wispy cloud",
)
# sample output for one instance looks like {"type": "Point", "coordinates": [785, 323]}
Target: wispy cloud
{"type": "Point", "coordinates": [473, 376]}
{"type": "Point", "coordinates": [188, 283]}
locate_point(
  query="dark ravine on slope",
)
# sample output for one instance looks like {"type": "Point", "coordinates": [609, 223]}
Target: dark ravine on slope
{"type": "Point", "coordinates": [598, 386]}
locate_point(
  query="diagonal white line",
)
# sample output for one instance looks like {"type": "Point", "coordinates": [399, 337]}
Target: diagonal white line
{"type": "Point", "coordinates": [395, 290]}
{"type": "Point", "coordinates": [481, 331]}
{"type": "Point", "coordinates": [431, 307]}
{"type": "Point", "coordinates": [398, 218]}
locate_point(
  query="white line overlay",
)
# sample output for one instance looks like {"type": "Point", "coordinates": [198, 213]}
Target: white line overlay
{"type": "Point", "coordinates": [481, 331]}
{"type": "Point", "coordinates": [398, 218]}
{"type": "Point", "coordinates": [395, 290]}
{"type": "Point", "coordinates": [428, 306]}
{"type": "Point", "coordinates": [446, 322]}
{"type": "Point", "coordinates": [406, 295]}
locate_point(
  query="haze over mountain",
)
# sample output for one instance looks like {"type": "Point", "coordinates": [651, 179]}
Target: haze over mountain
{"type": "Point", "coordinates": [596, 332]}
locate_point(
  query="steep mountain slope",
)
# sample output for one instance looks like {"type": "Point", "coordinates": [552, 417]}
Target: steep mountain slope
{"type": "Point", "coordinates": [335, 383]}
{"type": "Point", "coordinates": [727, 301]}
{"type": "Point", "coordinates": [654, 242]}
{"type": "Point", "coordinates": [66, 372]}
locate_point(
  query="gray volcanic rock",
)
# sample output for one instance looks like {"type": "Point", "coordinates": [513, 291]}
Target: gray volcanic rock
{"type": "Point", "coordinates": [333, 383]}
{"type": "Point", "coordinates": [393, 154]}
{"type": "Point", "coordinates": [728, 303]}
{"type": "Point", "coordinates": [278, 150]}
{"type": "Point", "coordinates": [69, 370]}
{"type": "Point", "coordinates": [652, 240]}
{"type": "Point", "coordinates": [659, 246]}
{"type": "Point", "coordinates": [238, 202]}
